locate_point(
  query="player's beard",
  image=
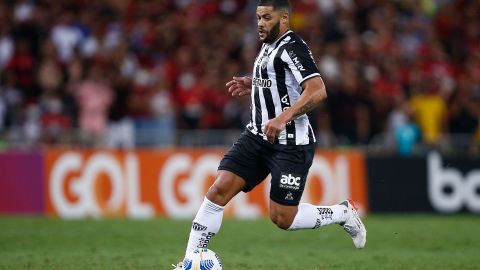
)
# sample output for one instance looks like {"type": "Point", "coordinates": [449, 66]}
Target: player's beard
{"type": "Point", "coordinates": [273, 35]}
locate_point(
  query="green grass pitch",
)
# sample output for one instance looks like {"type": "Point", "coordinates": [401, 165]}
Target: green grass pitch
{"type": "Point", "coordinates": [394, 242]}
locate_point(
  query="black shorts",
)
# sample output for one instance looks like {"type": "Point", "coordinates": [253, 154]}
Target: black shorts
{"type": "Point", "coordinates": [253, 158]}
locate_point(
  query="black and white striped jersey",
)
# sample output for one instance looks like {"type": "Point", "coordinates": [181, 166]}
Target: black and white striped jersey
{"type": "Point", "coordinates": [279, 69]}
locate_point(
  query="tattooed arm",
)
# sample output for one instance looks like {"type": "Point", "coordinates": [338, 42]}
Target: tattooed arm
{"type": "Point", "coordinates": [313, 94]}
{"type": "Point", "coordinates": [310, 105]}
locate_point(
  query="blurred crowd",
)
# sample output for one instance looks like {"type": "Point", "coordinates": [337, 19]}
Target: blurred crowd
{"type": "Point", "coordinates": [127, 73]}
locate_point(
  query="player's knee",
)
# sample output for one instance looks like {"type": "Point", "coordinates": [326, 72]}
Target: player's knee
{"type": "Point", "coordinates": [216, 195]}
{"type": "Point", "coordinates": [220, 192]}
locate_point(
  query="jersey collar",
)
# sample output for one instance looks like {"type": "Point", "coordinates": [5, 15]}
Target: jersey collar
{"type": "Point", "coordinates": [274, 44]}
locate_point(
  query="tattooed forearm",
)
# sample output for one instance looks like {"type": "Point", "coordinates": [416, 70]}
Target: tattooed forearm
{"type": "Point", "coordinates": [305, 109]}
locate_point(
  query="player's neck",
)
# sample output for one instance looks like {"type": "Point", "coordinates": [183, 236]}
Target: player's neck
{"type": "Point", "coordinates": [280, 35]}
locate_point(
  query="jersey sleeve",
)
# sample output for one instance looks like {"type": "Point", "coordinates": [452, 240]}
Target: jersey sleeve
{"type": "Point", "coordinates": [299, 59]}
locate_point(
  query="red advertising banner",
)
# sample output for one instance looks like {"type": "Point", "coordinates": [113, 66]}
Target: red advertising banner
{"type": "Point", "coordinates": [21, 183]}
{"type": "Point", "coordinates": [146, 183]}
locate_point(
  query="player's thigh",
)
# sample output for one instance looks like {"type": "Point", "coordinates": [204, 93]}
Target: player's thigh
{"type": "Point", "coordinates": [244, 160]}
{"type": "Point", "coordinates": [289, 168]}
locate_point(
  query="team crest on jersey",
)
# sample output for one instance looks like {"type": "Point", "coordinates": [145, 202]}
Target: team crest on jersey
{"type": "Point", "coordinates": [264, 62]}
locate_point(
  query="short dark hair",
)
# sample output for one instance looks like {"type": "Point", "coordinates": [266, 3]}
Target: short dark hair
{"type": "Point", "coordinates": [276, 4]}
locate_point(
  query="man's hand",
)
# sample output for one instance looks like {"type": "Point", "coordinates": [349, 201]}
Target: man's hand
{"type": "Point", "coordinates": [239, 86]}
{"type": "Point", "coordinates": [273, 127]}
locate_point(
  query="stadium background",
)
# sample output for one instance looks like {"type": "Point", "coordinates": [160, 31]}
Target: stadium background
{"type": "Point", "coordinates": [117, 108]}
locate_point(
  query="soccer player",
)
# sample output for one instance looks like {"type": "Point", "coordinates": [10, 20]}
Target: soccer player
{"type": "Point", "coordinates": [279, 140]}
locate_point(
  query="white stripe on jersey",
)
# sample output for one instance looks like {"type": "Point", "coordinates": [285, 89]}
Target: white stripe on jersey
{"type": "Point", "coordinates": [252, 126]}
{"type": "Point", "coordinates": [282, 137]}
{"type": "Point", "coordinates": [298, 76]}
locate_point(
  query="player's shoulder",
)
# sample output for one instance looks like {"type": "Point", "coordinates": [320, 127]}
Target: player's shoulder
{"type": "Point", "coordinates": [294, 42]}
{"type": "Point", "coordinates": [294, 38]}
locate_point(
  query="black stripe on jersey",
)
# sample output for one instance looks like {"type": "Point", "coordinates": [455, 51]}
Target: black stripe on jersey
{"type": "Point", "coordinates": [283, 93]}
{"type": "Point", "coordinates": [310, 135]}
{"type": "Point", "coordinates": [267, 94]}
{"type": "Point", "coordinates": [258, 106]}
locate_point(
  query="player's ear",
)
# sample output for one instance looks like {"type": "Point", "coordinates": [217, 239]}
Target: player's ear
{"type": "Point", "coordinates": [285, 18]}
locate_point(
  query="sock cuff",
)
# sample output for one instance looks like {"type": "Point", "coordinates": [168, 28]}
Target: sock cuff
{"type": "Point", "coordinates": [293, 226]}
{"type": "Point", "coordinates": [298, 220]}
{"type": "Point", "coordinates": [212, 206]}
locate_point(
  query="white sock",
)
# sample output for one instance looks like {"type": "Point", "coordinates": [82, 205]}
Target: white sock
{"type": "Point", "coordinates": [312, 217]}
{"type": "Point", "coordinates": [205, 225]}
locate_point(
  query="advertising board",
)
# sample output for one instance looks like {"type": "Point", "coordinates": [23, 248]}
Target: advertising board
{"type": "Point", "coordinates": [146, 183]}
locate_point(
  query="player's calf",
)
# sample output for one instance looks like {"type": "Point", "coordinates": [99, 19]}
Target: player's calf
{"type": "Point", "coordinates": [282, 215]}
{"type": "Point", "coordinates": [206, 224]}
{"type": "Point", "coordinates": [282, 222]}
